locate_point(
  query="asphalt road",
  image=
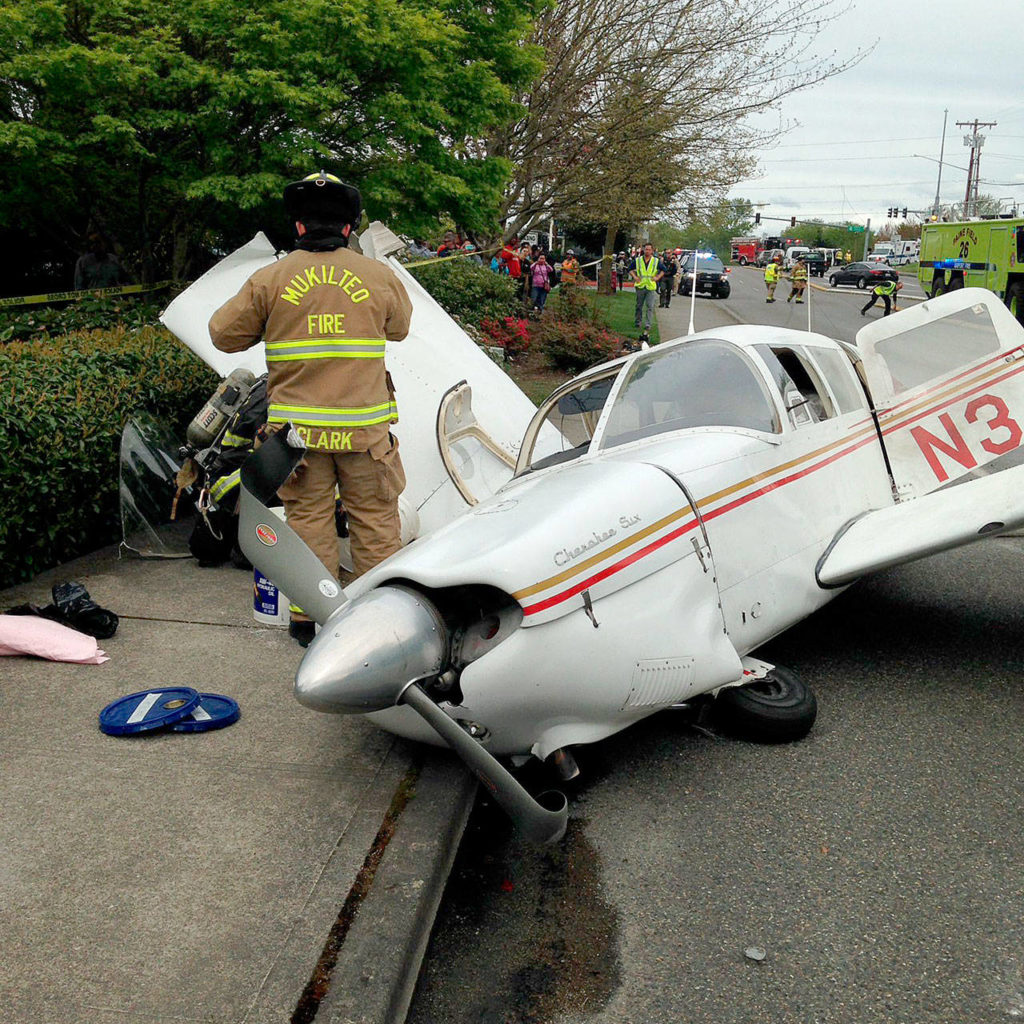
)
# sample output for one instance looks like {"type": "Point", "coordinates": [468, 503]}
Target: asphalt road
{"type": "Point", "coordinates": [877, 865]}
{"type": "Point", "coordinates": [834, 312]}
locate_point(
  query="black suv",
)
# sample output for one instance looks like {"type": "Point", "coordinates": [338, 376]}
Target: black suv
{"type": "Point", "coordinates": [815, 263]}
{"type": "Point", "coordinates": [710, 277]}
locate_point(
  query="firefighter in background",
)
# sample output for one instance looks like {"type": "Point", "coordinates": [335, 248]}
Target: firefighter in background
{"type": "Point", "coordinates": [771, 277]}
{"type": "Point", "coordinates": [886, 291]}
{"type": "Point", "coordinates": [325, 313]}
{"type": "Point", "coordinates": [798, 278]}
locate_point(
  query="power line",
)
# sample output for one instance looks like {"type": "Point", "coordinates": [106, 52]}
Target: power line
{"type": "Point", "coordinates": [849, 142]}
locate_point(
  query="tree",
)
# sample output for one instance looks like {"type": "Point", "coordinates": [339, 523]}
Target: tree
{"type": "Point", "coordinates": [676, 79]}
{"type": "Point", "coordinates": [172, 128]}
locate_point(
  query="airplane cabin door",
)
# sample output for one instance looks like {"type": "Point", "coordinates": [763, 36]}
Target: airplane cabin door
{"type": "Point", "coordinates": [947, 382]}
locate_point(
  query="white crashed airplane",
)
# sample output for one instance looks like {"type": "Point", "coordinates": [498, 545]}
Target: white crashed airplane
{"type": "Point", "coordinates": [664, 515]}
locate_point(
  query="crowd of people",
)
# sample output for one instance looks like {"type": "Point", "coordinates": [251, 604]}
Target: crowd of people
{"type": "Point", "coordinates": [536, 272]}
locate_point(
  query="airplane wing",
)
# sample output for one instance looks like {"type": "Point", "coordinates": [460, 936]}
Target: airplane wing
{"type": "Point", "coordinates": [935, 522]}
{"type": "Point", "coordinates": [454, 453]}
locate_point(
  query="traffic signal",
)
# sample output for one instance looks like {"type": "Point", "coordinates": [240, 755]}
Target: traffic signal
{"type": "Point", "coordinates": [904, 213]}
{"type": "Point", "coordinates": [792, 222]}
{"type": "Point", "coordinates": [889, 214]}
{"type": "Point", "coordinates": [757, 217]}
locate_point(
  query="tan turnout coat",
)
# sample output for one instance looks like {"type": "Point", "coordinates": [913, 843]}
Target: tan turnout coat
{"type": "Point", "coordinates": [325, 317]}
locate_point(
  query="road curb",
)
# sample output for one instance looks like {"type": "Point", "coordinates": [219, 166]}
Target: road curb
{"type": "Point", "coordinates": [377, 968]}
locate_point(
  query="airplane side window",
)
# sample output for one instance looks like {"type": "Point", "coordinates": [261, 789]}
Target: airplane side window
{"type": "Point", "coordinates": [803, 395]}
{"type": "Point", "coordinates": [841, 378]}
{"type": "Point", "coordinates": [938, 348]}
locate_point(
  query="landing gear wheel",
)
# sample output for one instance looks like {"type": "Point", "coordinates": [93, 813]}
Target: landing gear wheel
{"type": "Point", "coordinates": [862, 283]}
{"type": "Point", "coordinates": [779, 708]}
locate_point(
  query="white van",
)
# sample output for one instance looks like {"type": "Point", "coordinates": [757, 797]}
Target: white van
{"type": "Point", "coordinates": [793, 253]}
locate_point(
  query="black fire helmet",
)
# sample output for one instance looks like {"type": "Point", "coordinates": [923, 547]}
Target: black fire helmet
{"type": "Point", "coordinates": [323, 197]}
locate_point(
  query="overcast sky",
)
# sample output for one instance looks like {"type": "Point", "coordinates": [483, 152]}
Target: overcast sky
{"type": "Point", "coordinates": [852, 153]}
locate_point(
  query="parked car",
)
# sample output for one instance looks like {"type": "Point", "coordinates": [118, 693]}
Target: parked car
{"type": "Point", "coordinates": [815, 263]}
{"type": "Point", "coordinates": [767, 255]}
{"type": "Point", "coordinates": [711, 276]}
{"type": "Point", "coordinates": [862, 274]}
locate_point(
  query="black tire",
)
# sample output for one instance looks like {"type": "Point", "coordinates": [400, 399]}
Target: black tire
{"type": "Point", "coordinates": [743, 261]}
{"type": "Point", "coordinates": [956, 284]}
{"type": "Point", "coordinates": [723, 292]}
{"type": "Point", "coordinates": [862, 282]}
{"type": "Point", "coordinates": [832, 281]}
{"type": "Point", "coordinates": [938, 288]}
{"type": "Point", "coordinates": [777, 709]}
{"type": "Point", "coordinates": [1015, 301]}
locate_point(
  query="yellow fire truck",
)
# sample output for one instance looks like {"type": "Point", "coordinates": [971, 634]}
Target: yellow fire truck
{"type": "Point", "coordinates": [979, 254]}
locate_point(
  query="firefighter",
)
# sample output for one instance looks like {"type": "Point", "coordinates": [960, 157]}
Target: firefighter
{"type": "Point", "coordinates": [771, 277]}
{"type": "Point", "coordinates": [798, 277]}
{"type": "Point", "coordinates": [884, 290]}
{"type": "Point", "coordinates": [325, 313]}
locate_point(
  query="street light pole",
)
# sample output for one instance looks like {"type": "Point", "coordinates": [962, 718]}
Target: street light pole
{"type": "Point", "coordinates": [942, 151]}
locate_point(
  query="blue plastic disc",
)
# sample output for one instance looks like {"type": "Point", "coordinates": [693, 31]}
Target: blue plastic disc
{"type": "Point", "coordinates": [214, 712]}
{"type": "Point", "coordinates": [148, 709]}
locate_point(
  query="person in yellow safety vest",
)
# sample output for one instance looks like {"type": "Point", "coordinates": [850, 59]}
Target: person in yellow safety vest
{"type": "Point", "coordinates": [771, 277]}
{"type": "Point", "coordinates": [326, 314]}
{"type": "Point", "coordinates": [570, 269]}
{"type": "Point", "coordinates": [886, 291]}
{"type": "Point", "coordinates": [798, 277]}
{"type": "Point", "coordinates": [645, 272]}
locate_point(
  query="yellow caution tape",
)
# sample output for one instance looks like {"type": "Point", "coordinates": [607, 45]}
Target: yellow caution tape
{"type": "Point", "coordinates": [443, 259]}
{"type": "Point", "coordinates": [128, 289]}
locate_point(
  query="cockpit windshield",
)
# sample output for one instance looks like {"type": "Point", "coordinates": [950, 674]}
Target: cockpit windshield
{"type": "Point", "coordinates": [574, 414]}
{"type": "Point", "coordinates": [703, 383]}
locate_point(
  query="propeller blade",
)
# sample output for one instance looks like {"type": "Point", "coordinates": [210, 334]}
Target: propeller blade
{"type": "Point", "coordinates": [269, 542]}
{"type": "Point", "coordinates": [540, 822]}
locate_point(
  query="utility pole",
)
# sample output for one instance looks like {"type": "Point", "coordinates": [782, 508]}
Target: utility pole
{"type": "Point", "coordinates": [867, 238]}
{"type": "Point", "coordinates": [942, 151]}
{"type": "Point", "coordinates": [975, 141]}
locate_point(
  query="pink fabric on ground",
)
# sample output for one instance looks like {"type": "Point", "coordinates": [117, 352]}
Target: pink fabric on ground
{"type": "Point", "coordinates": [29, 634]}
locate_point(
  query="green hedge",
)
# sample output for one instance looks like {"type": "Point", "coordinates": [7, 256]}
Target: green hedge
{"type": "Point", "coordinates": [468, 291]}
{"type": "Point", "coordinates": [32, 323]}
{"type": "Point", "coordinates": [63, 404]}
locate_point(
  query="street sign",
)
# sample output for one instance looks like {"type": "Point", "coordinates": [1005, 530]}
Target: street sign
{"type": "Point", "coordinates": [855, 228]}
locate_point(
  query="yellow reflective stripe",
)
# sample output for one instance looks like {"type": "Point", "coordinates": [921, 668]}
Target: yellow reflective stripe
{"type": "Point", "coordinates": [326, 348]}
{"type": "Point", "coordinates": [326, 341]}
{"type": "Point", "coordinates": [230, 440]}
{"type": "Point", "coordinates": [314, 416]}
{"type": "Point", "coordinates": [224, 484]}
{"type": "Point", "coordinates": [324, 355]}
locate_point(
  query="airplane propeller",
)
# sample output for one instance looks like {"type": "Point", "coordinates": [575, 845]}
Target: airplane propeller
{"type": "Point", "coordinates": [376, 651]}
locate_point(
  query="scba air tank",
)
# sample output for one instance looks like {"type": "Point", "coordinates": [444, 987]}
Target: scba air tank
{"type": "Point", "coordinates": [223, 403]}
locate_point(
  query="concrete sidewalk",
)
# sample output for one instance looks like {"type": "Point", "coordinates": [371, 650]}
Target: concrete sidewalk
{"type": "Point", "coordinates": [285, 868]}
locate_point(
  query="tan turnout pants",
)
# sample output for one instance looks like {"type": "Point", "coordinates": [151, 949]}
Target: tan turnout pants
{"type": "Point", "coordinates": [369, 484]}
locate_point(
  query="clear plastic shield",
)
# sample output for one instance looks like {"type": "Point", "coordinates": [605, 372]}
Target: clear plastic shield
{"type": "Point", "coordinates": [148, 470]}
